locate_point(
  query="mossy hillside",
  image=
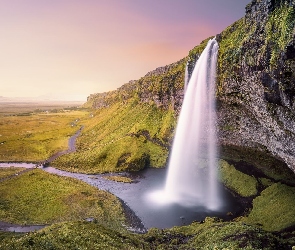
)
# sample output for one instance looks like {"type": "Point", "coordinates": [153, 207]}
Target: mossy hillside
{"type": "Point", "coordinates": [37, 136]}
{"type": "Point", "coordinates": [211, 234]}
{"type": "Point", "coordinates": [162, 86]}
{"type": "Point", "coordinates": [214, 234]}
{"type": "Point", "coordinates": [230, 52]}
{"type": "Point", "coordinates": [242, 184]}
{"type": "Point", "coordinates": [122, 138]}
{"type": "Point", "coordinates": [274, 208]}
{"type": "Point", "coordinates": [197, 50]}
{"type": "Point", "coordinates": [37, 197]}
{"type": "Point", "coordinates": [75, 235]}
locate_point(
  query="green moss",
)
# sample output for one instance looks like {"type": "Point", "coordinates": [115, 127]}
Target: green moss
{"type": "Point", "coordinates": [237, 181]}
{"type": "Point", "coordinates": [274, 208]}
{"type": "Point", "coordinates": [37, 197]}
{"type": "Point", "coordinates": [198, 49]}
{"type": "Point", "coordinates": [265, 182]}
{"type": "Point", "coordinates": [279, 31]}
{"type": "Point", "coordinates": [212, 234]}
{"type": "Point", "coordinates": [75, 235]}
{"type": "Point", "coordinates": [261, 161]}
{"type": "Point", "coordinates": [230, 52]}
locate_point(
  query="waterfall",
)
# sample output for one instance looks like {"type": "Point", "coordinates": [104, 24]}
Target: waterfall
{"type": "Point", "coordinates": [192, 171]}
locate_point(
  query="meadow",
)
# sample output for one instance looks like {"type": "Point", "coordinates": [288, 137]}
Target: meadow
{"type": "Point", "coordinates": [31, 133]}
{"type": "Point", "coordinates": [37, 197]}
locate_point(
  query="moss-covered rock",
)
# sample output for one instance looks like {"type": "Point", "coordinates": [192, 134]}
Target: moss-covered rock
{"type": "Point", "coordinates": [241, 183]}
{"type": "Point", "coordinates": [274, 208]}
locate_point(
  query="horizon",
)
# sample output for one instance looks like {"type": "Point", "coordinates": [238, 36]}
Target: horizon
{"type": "Point", "coordinates": [68, 50]}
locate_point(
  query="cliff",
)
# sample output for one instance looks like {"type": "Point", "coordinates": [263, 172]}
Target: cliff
{"type": "Point", "coordinates": [256, 81]}
{"type": "Point", "coordinates": [256, 86]}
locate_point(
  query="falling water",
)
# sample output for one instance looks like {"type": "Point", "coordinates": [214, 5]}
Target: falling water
{"type": "Point", "coordinates": [192, 172]}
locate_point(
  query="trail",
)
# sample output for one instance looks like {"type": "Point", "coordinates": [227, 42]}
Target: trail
{"type": "Point", "coordinates": [71, 148]}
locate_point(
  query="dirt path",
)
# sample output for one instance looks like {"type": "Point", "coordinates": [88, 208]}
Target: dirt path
{"type": "Point", "coordinates": [71, 148]}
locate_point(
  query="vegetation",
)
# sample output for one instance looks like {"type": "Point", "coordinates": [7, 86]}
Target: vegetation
{"type": "Point", "coordinates": [237, 181]}
{"type": "Point", "coordinates": [37, 197]}
{"type": "Point", "coordinates": [211, 234]}
{"type": "Point", "coordinates": [279, 31]}
{"type": "Point", "coordinates": [131, 129]}
{"type": "Point", "coordinates": [75, 235]}
{"type": "Point", "coordinates": [260, 163]}
{"type": "Point", "coordinates": [6, 172]}
{"type": "Point", "coordinates": [121, 138]}
{"type": "Point", "coordinates": [37, 136]}
{"type": "Point", "coordinates": [274, 208]}
{"type": "Point", "coordinates": [118, 178]}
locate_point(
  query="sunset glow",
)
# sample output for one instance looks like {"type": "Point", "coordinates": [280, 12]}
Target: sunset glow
{"type": "Point", "coordinates": [68, 49]}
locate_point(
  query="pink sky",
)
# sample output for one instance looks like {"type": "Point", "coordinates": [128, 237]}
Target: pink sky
{"type": "Point", "coordinates": [72, 48]}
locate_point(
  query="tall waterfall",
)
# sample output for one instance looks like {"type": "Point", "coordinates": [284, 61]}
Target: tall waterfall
{"type": "Point", "coordinates": [192, 172]}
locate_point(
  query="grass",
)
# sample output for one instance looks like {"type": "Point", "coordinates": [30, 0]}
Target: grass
{"type": "Point", "coordinates": [6, 172]}
{"type": "Point", "coordinates": [75, 235]}
{"type": "Point", "coordinates": [37, 197]}
{"type": "Point", "coordinates": [274, 208]}
{"type": "Point", "coordinates": [118, 178]}
{"type": "Point", "coordinates": [237, 181]}
{"type": "Point", "coordinates": [121, 138]}
{"type": "Point", "coordinates": [8, 236]}
{"type": "Point", "coordinates": [212, 234]}
{"type": "Point", "coordinates": [35, 137]}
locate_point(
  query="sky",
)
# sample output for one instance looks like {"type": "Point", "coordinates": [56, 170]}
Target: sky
{"type": "Point", "coordinates": [69, 49]}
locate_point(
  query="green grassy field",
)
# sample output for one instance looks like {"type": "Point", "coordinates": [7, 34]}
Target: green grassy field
{"type": "Point", "coordinates": [36, 197]}
{"type": "Point", "coordinates": [6, 172]}
{"type": "Point", "coordinates": [35, 136]}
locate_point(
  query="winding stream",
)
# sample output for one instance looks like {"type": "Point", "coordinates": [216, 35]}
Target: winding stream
{"type": "Point", "coordinates": [136, 196]}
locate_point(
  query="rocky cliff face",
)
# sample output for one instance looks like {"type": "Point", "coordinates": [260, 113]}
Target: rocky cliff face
{"type": "Point", "coordinates": [256, 83]}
